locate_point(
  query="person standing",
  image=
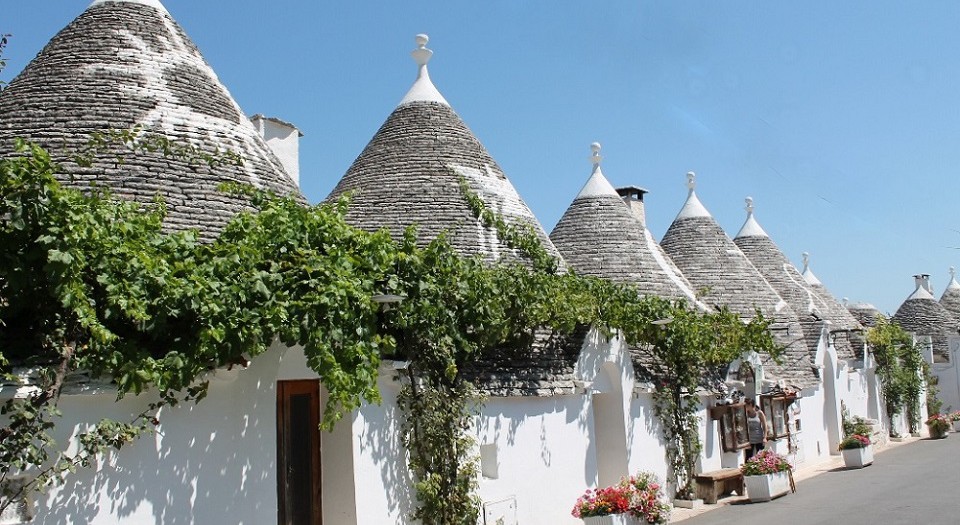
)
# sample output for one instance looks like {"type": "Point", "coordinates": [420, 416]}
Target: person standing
{"type": "Point", "coordinates": [756, 428]}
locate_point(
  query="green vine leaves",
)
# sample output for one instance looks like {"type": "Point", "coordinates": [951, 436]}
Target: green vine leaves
{"type": "Point", "coordinates": [900, 368]}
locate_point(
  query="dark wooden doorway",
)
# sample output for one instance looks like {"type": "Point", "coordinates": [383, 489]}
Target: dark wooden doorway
{"type": "Point", "coordinates": [298, 452]}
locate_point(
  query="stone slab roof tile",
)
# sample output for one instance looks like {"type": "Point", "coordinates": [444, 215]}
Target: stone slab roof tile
{"type": "Point", "coordinates": [126, 64]}
{"type": "Point", "coordinates": [809, 303]}
{"type": "Point", "coordinates": [724, 276]}
{"type": "Point", "coordinates": [598, 236]}
{"type": "Point", "coordinates": [925, 316]}
{"type": "Point", "coordinates": [409, 174]}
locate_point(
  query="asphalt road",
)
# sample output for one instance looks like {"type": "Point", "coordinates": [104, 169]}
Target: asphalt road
{"type": "Point", "coordinates": [917, 483]}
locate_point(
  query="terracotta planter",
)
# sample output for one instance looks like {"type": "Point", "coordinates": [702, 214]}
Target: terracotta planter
{"type": "Point", "coordinates": [613, 519]}
{"type": "Point", "coordinates": [857, 457]}
{"type": "Point", "coordinates": [767, 486]}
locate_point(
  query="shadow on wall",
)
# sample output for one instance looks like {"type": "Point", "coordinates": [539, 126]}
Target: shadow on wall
{"type": "Point", "coordinates": [381, 441]}
{"type": "Point", "coordinates": [208, 461]}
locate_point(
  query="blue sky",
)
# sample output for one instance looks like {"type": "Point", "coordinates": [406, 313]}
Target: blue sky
{"type": "Point", "coordinates": [840, 119]}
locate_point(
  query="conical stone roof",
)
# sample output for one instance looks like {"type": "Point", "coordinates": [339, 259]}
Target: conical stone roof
{"type": "Point", "coordinates": [410, 173]}
{"type": "Point", "coordinates": [812, 307]}
{"type": "Point", "coordinates": [848, 327]}
{"type": "Point", "coordinates": [127, 63]}
{"type": "Point", "coordinates": [950, 299]}
{"type": "Point", "coordinates": [865, 313]}
{"type": "Point", "coordinates": [599, 236]}
{"type": "Point", "coordinates": [921, 314]}
{"type": "Point", "coordinates": [724, 276]}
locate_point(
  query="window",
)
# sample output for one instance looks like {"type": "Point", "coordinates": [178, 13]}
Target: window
{"type": "Point", "coordinates": [775, 408]}
{"type": "Point", "coordinates": [732, 426]}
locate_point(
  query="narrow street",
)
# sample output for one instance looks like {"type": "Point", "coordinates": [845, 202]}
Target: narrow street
{"type": "Point", "coordinates": [916, 482]}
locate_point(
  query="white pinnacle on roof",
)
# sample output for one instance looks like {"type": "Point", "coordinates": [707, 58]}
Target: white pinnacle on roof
{"type": "Point", "coordinates": [953, 279]}
{"type": "Point", "coordinates": [152, 3]}
{"type": "Point", "coordinates": [751, 228]}
{"type": "Point", "coordinates": [597, 185]}
{"type": "Point", "coordinates": [693, 207]}
{"type": "Point", "coordinates": [423, 89]}
{"type": "Point", "coordinates": [807, 272]}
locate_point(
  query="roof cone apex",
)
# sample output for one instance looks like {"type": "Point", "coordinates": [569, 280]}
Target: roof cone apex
{"type": "Point", "coordinates": [693, 207]}
{"type": "Point", "coordinates": [808, 274]}
{"type": "Point", "coordinates": [423, 89]}
{"type": "Point", "coordinates": [954, 285]}
{"type": "Point", "coordinates": [152, 3]}
{"type": "Point", "coordinates": [921, 293]}
{"type": "Point", "coordinates": [751, 228]}
{"type": "Point", "coordinates": [597, 185]}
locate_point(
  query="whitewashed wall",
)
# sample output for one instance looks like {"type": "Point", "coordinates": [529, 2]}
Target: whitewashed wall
{"type": "Point", "coordinates": [948, 378]}
{"type": "Point", "coordinates": [544, 455]}
{"type": "Point", "coordinates": [211, 463]}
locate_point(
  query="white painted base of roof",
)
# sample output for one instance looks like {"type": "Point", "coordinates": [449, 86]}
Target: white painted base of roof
{"type": "Point", "coordinates": [423, 90]}
{"type": "Point", "coordinates": [693, 208]}
{"type": "Point", "coordinates": [751, 228]}
{"type": "Point", "coordinates": [597, 186]}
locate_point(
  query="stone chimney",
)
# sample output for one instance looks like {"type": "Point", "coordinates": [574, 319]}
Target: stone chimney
{"type": "Point", "coordinates": [923, 280]}
{"type": "Point", "coordinates": [633, 197]}
{"type": "Point", "coordinates": [284, 140]}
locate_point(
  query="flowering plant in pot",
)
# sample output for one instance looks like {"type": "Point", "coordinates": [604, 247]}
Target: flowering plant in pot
{"type": "Point", "coordinates": [634, 500]}
{"type": "Point", "coordinates": [857, 451]}
{"type": "Point", "coordinates": [939, 426]}
{"type": "Point", "coordinates": [766, 475]}
{"type": "Point", "coordinates": [955, 417]}
{"type": "Point", "coordinates": [855, 441]}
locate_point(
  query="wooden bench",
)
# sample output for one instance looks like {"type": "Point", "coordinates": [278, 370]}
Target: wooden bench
{"type": "Point", "coordinates": [712, 485]}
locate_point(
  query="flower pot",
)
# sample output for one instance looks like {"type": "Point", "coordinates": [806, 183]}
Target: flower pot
{"type": "Point", "coordinates": [857, 457]}
{"type": "Point", "coordinates": [767, 486]}
{"type": "Point", "coordinates": [938, 432]}
{"type": "Point", "coordinates": [956, 426]}
{"type": "Point", "coordinates": [612, 519]}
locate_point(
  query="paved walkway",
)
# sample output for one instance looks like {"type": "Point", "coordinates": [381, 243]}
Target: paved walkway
{"type": "Point", "coordinates": [915, 480]}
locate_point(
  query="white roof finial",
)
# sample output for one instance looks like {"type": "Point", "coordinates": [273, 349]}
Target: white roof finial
{"type": "Point", "coordinates": [693, 207]}
{"type": "Point", "coordinates": [807, 272]}
{"type": "Point", "coordinates": [423, 89]}
{"type": "Point", "coordinates": [953, 284]}
{"type": "Point", "coordinates": [596, 158]}
{"type": "Point", "coordinates": [597, 185]}
{"type": "Point", "coordinates": [751, 228]}
{"type": "Point", "coordinates": [421, 54]}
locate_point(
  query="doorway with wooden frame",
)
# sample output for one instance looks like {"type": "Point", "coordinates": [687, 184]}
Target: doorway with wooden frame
{"type": "Point", "coordinates": [298, 453]}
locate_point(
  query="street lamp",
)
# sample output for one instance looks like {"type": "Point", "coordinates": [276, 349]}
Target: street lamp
{"type": "Point", "coordinates": [386, 301]}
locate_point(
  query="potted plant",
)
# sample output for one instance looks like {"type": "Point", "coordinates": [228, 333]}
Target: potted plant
{"type": "Point", "coordinates": [766, 476]}
{"type": "Point", "coordinates": [939, 425]}
{"type": "Point", "coordinates": [857, 451]}
{"type": "Point", "coordinates": [637, 499]}
{"type": "Point", "coordinates": [956, 420]}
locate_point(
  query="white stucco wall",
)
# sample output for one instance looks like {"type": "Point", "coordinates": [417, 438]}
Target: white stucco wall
{"type": "Point", "coordinates": [545, 454]}
{"type": "Point", "coordinates": [209, 463]}
{"type": "Point", "coordinates": [385, 489]}
{"type": "Point", "coordinates": [948, 378]}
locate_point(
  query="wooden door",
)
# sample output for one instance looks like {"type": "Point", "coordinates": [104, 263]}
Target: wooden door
{"type": "Point", "coordinates": [298, 452]}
